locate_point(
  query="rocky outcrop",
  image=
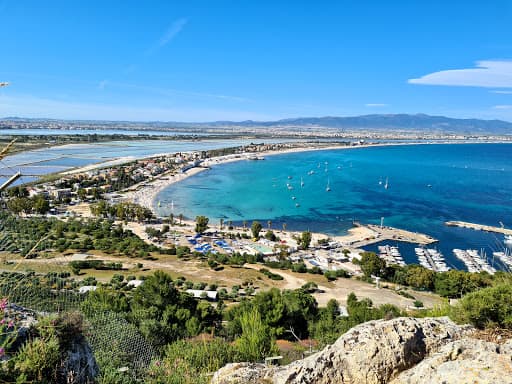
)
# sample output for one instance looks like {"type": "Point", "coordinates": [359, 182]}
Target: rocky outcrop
{"type": "Point", "coordinates": [79, 365]}
{"type": "Point", "coordinates": [463, 361]}
{"type": "Point", "coordinates": [374, 352]}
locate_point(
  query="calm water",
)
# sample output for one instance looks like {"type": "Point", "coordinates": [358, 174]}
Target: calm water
{"type": "Point", "coordinates": [427, 185]}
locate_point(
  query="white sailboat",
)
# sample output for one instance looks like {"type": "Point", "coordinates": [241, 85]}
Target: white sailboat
{"type": "Point", "coordinates": [301, 182]}
{"type": "Point", "coordinates": [386, 185]}
{"type": "Point", "coordinates": [328, 188]}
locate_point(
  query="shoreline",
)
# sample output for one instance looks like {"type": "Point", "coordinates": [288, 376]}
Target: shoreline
{"type": "Point", "coordinates": [146, 196]}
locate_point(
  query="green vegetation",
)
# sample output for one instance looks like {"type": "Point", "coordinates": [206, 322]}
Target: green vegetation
{"type": "Point", "coordinates": [121, 211]}
{"type": "Point", "coordinates": [305, 240]}
{"type": "Point", "coordinates": [38, 234]}
{"type": "Point", "coordinates": [256, 228]}
{"type": "Point", "coordinates": [201, 224]}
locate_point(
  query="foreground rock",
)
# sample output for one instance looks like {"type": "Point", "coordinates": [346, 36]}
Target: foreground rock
{"type": "Point", "coordinates": [373, 352]}
{"type": "Point", "coordinates": [463, 361]}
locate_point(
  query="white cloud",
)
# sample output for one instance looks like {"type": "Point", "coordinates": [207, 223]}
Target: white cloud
{"type": "Point", "coordinates": [489, 73]}
{"type": "Point", "coordinates": [376, 105]}
{"type": "Point", "coordinates": [505, 106]}
{"type": "Point", "coordinates": [169, 34]}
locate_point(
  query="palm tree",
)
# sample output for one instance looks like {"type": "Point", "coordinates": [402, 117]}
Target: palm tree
{"type": "Point", "coordinates": [221, 223]}
{"type": "Point", "coordinates": [269, 223]}
{"type": "Point", "coordinates": [284, 226]}
{"type": "Point", "coordinates": [171, 218]}
{"type": "Point", "coordinates": [180, 217]}
{"type": "Point", "coordinates": [245, 224]}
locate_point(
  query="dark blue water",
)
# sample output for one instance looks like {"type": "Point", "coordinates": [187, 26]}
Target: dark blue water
{"type": "Point", "coordinates": [427, 185]}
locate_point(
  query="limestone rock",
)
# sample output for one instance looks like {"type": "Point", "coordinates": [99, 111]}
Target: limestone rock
{"type": "Point", "coordinates": [373, 352]}
{"type": "Point", "coordinates": [463, 361]}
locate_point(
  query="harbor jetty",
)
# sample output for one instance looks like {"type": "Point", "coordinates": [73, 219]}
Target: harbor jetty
{"type": "Point", "coordinates": [479, 227]}
{"type": "Point", "coordinates": [365, 234]}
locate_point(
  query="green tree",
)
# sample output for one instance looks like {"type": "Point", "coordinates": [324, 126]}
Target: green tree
{"type": "Point", "coordinates": [201, 224]}
{"type": "Point", "coordinates": [305, 240]}
{"type": "Point", "coordinates": [41, 205]}
{"type": "Point", "coordinates": [255, 342]}
{"type": "Point", "coordinates": [371, 264]}
{"type": "Point", "coordinates": [256, 228]}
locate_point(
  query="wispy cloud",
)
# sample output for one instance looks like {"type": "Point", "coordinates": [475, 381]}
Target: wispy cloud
{"type": "Point", "coordinates": [172, 92]}
{"type": "Point", "coordinates": [488, 73]}
{"type": "Point", "coordinates": [502, 92]}
{"type": "Point", "coordinates": [32, 106]}
{"type": "Point", "coordinates": [376, 105]}
{"type": "Point", "coordinates": [168, 35]}
{"type": "Point", "coordinates": [505, 106]}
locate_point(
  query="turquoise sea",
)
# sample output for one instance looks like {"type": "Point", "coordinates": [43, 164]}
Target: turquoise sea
{"type": "Point", "coordinates": [427, 185]}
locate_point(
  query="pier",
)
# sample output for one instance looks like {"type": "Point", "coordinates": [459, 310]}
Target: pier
{"type": "Point", "coordinates": [479, 227]}
{"type": "Point", "coordinates": [364, 234]}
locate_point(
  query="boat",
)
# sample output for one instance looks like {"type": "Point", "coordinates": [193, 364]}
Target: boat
{"type": "Point", "coordinates": [386, 185]}
{"type": "Point", "coordinates": [328, 188]}
{"type": "Point", "coordinates": [508, 240]}
{"type": "Point", "coordinates": [311, 172]}
{"type": "Point", "coordinates": [293, 197]}
{"type": "Point", "coordinates": [301, 182]}
{"type": "Point", "coordinates": [297, 205]}
{"type": "Point", "coordinates": [289, 186]}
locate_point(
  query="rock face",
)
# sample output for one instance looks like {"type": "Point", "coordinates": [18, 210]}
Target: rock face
{"type": "Point", "coordinates": [374, 352]}
{"type": "Point", "coordinates": [463, 361]}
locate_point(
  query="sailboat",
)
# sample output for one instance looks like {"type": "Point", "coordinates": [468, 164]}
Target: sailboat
{"type": "Point", "coordinates": [301, 182]}
{"type": "Point", "coordinates": [386, 185]}
{"type": "Point", "coordinates": [328, 188]}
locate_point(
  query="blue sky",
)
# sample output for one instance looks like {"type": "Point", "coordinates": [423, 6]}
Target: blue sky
{"type": "Point", "coordinates": [261, 60]}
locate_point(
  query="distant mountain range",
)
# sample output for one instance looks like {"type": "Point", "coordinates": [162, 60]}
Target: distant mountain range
{"type": "Point", "coordinates": [388, 122]}
{"type": "Point", "coordinates": [403, 122]}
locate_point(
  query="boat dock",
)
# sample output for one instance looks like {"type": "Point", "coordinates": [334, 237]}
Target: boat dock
{"type": "Point", "coordinates": [474, 261]}
{"type": "Point", "coordinates": [391, 255]}
{"type": "Point", "coordinates": [432, 259]}
{"type": "Point", "coordinates": [479, 227]}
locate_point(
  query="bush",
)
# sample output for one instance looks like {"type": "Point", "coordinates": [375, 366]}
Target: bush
{"type": "Point", "coordinates": [488, 307]}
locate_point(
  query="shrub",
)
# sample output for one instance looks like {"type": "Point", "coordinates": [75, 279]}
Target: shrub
{"type": "Point", "coordinates": [488, 307]}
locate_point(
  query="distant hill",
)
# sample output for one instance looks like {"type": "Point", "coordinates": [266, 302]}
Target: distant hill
{"type": "Point", "coordinates": [388, 122]}
{"type": "Point", "coordinates": [403, 122]}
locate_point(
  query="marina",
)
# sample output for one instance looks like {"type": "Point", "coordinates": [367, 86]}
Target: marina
{"type": "Point", "coordinates": [431, 259]}
{"type": "Point", "coordinates": [505, 257]}
{"type": "Point", "coordinates": [391, 255]}
{"type": "Point", "coordinates": [474, 260]}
